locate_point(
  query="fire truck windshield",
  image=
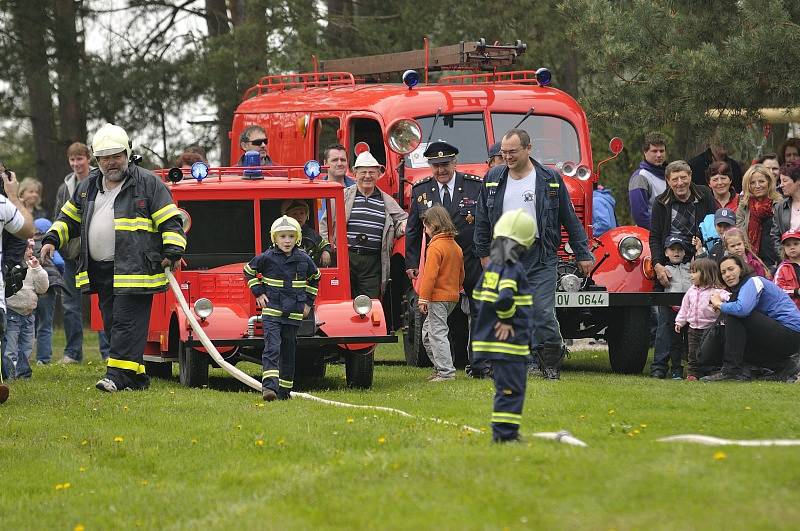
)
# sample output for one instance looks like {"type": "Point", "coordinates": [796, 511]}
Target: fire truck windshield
{"type": "Point", "coordinates": [554, 139]}
{"type": "Point", "coordinates": [222, 233]}
{"type": "Point", "coordinates": [466, 131]}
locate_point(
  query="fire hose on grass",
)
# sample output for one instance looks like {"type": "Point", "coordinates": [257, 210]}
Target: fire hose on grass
{"type": "Point", "coordinates": [561, 436]}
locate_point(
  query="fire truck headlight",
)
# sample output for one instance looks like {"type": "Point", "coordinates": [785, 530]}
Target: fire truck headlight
{"type": "Point", "coordinates": [544, 77]}
{"type": "Point", "coordinates": [570, 282]}
{"type": "Point", "coordinates": [362, 305]}
{"type": "Point", "coordinates": [630, 247]}
{"type": "Point", "coordinates": [203, 308]}
{"type": "Point", "coordinates": [404, 136]}
{"type": "Point", "coordinates": [583, 173]}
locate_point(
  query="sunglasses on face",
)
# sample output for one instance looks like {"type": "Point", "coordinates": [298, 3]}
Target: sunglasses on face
{"type": "Point", "coordinates": [259, 141]}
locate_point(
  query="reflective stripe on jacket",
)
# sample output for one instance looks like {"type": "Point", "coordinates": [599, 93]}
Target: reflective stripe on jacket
{"type": "Point", "coordinates": [147, 228]}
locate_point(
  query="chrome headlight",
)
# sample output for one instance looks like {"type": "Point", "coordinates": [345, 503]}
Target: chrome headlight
{"type": "Point", "coordinates": [203, 308]}
{"type": "Point", "coordinates": [362, 305]}
{"type": "Point", "coordinates": [630, 247]}
{"type": "Point", "coordinates": [568, 248]}
{"type": "Point", "coordinates": [570, 282]}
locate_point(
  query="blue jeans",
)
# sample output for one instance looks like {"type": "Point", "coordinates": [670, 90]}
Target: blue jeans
{"type": "Point", "coordinates": [71, 300]}
{"type": "Point", "coordinates": [18, 344]}
{"type": "Point", "coordinates": [44, 325]}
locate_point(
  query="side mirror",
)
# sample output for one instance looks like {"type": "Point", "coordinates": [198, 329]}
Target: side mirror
{"type": "Point", "coordinates": [616, 145]}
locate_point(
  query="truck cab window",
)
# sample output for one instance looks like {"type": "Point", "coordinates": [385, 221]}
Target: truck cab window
{"type": "Point", "coordinates": [311, 216]}
{"type": "Point", "coordinates": [222, 233]}
{"type": "Point", "coordinates": [553, 139]}
{"type": "Point", "coordinates": [465, 131]}
{"type": "Point", "coordinates": [369, 131]}
{"type": "Point", "coordinates": [325, 134]}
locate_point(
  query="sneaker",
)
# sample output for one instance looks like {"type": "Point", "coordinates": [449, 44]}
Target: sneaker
{"type": "Point", "coordinates": [269, 395]}
{"type": "Point", "coordinates": [723, 376]}
{"type": "Point", "coordinates": [432, 375]}
{"type": "Point", "coordinates": [677, 374]}
{"type": "Point", "coordinates": [691, 378]}
{"type": "Point", "coordinates": [551, 373]}
{"type": "Point", "coordinates": [439, 378]}
{"type": "Point", "coordinates": [107, 385]}
{"type": "Point", "coordinates": [40, 362]}
{"type": "Point", "coordinates": [658, 373]}
{"type": "Point", "coordinates": [66, 360]}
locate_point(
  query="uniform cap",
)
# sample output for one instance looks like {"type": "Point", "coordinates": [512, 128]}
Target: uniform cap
{"type": "Point", "coordinates": [516, 225]}
{"type": "Point", "coordinates": [366, 160]}
{"type": "Point", "coordinates": [440, 151]}
{"type": "Point", "coordinates": [789, 234]}
{"type": "Point", "coordinates": [675, 240]}
{"type": "Point", "coordinates": [494, 150]}
{"type": "Point", "coordinates": [109, 140]}
{"type": "Point", "coordinates": [287, 224]}
{"type": "Point", "coordinates": [725, 215]}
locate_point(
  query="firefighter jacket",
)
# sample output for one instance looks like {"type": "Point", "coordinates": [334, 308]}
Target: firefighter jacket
{"type": "Point", "coordinates": [147, 228]}
{"type": "Point", "coordinates": [502, 294]}
{"type": "Point", "coordinates": [314, 244]}
{"type": "Point", "coordinates": [288, 281]}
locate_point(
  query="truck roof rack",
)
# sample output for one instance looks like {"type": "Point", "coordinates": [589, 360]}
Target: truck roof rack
{"type": "Point", "coordinates": [474, 55]}
{"type": "Point", "coordinates": [305, 81]}
{"type": "Point", "coordinates": [268, 173]}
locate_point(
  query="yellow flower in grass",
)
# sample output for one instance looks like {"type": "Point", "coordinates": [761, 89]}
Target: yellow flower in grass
{"type": "Point", "coordinates": [79, 527]}
{"type": "Point", "coordinates": [720, 455]}
{"type": "Point", "coordinates": [747, 408]}
{"type": "Point", "coordinates": [260, 442]}
{"type": "Point", "coordinates": [63, 486]}
{"type": "Point", "coordinates": [84, 442]}
{"type": "Point", "coordinates": [118, 439]}
{"type": "Point", "coordinates": [611, 411]}
{"type": "Point", "coordinates": [350, 420]}
{"type": "Point", "coordinates": [194, 441]}
{"type": "Point", "coordinates": [381, 440]}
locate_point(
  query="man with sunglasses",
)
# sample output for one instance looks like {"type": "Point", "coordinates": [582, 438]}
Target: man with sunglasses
{"type": "Point", "coordinates": [254, 138]}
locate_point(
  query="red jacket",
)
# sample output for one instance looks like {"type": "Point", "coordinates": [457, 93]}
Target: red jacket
{"type": "Point", "coordinates": [786, 279]}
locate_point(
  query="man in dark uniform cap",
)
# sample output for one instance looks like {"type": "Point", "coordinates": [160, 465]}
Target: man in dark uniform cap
{"type": "Point", "coordinates": [495, 157]}
{"type": "Point", "coordinates": [458, 193]}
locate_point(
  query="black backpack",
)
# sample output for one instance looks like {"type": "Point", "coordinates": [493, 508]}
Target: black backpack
{"type": "Point", "coordinates": [14, 276]}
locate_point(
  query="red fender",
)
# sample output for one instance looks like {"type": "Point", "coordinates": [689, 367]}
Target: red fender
{"type": "Point", "coordinates": [616, 273]}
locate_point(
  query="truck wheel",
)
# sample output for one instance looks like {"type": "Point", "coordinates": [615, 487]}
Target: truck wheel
{"type": "Point", "coordinates": [193, 366]}
{"type": "Point", "coordinates": [628, 337]}
{"type": "Point", "coordinates": [158, 369]}
{"type": "Point", "coordinates": [412, 337]}
{"type": "Point", "coordinates": [359, 367]}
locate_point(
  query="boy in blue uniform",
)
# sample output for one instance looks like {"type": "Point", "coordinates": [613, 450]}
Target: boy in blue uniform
{"type": "Point", "coordinates": [501, 333]}
{"type": "Point", "coordinates": [284, 281]}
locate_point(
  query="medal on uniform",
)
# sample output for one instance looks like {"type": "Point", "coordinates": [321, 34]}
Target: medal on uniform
{"type": "Point", "coordinates": [470, 218]}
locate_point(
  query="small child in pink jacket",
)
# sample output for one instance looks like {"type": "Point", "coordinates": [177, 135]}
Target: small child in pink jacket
{"type": "Point", "coordinates": [696, 311]}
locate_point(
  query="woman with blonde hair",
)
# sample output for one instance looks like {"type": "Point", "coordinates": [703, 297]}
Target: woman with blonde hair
{"type": "Point", "coordinates": [30, 193]}
{"type": "Point", "coordinates": [754, 215]}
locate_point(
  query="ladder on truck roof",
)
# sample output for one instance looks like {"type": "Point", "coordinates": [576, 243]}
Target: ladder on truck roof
{"type": "Point", "coordinates": [474, 55]}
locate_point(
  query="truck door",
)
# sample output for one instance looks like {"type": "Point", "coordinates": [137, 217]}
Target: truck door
{"type": "Point", "coordinates": [367, 129]}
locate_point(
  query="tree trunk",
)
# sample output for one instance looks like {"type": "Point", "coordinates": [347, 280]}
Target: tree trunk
{"type": "Point", "coordinates": [218, 25]}
{"type": "Point", "coordinates": [569, 74]}
{"type": "Point", "coordinates": [50, 160]}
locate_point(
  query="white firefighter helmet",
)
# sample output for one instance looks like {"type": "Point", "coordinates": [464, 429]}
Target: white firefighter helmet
{"type": "Point", "coordinates": [109, 140]}
{"type": "Point", "coordinates": [285, 224]}
{"type": "Point", "coordinates": [517, 225]}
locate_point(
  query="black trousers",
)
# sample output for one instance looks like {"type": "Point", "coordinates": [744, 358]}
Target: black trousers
{"type": "Point", "coordinates": [278, 358]}
{"type": "Point", "coordinates": [125, 320]}
{"type": "Point", "coordinates": [757, 340]}
{"type": "Point", "coordinates": [510, 380]}
{"type": "Point", "coordinates": [365, 274]}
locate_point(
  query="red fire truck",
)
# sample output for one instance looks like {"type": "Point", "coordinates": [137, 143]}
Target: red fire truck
{"type": "Point", "coordinates": [348, 101]}
{"type": "Point", "coordinates": [227, 214]}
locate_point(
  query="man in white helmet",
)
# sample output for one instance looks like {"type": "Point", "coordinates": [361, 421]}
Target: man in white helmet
{"type": "Point", "coordinates": [130, 230]}
{"type": "Point", "coordinates": [374, 220]}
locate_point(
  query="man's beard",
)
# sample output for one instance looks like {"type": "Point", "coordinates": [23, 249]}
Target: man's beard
{"type": "Point", "coordinates": [113, 176]}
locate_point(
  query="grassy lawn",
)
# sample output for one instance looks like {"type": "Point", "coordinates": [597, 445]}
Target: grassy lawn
{"type": "Point", "coordinates": [176, 458]}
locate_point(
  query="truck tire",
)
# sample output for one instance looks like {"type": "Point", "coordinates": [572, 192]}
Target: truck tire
{"type": "Point", "coordinates": [158, 369]}
{"type": "Point", "coordinates": [628, 337]}
{"type": "Point", "coordinates": [193, 366]}
{"type": "Point", "coordinates": [359, 368]}
{"type": "Point", "coordinates": [412, 337]}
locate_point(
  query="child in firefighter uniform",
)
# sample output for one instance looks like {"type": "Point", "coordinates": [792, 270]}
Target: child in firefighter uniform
{"type": "Point", "coordinates": [501, 333]}
{"type": "Point", "coordinates": [284, 281]}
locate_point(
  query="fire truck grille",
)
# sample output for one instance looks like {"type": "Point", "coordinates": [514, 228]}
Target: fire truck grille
{"type": "Point", "coordinates": [581, 212]}
{"type": "Point", "coordinates": [224, 288]}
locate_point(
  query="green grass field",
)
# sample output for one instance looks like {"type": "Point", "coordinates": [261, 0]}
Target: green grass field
{"type": "Point", "coordinates": [218, 458]}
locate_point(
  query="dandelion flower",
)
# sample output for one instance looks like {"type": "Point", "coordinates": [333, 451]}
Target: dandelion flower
{"type": "Point", "coordinates": [84, 442]}
{"type": "Point", "coordinates": [194, 441]}
{"type": "Point", "coordinates": [260, 442]}
{"type": "Point", "coordinates": [350, 420]}
{"type": "Point", "coordinates": [747, 408]}
{"type": "Point", "coordinates": [381, 440]}
{"type": "Point", "coordinates": [79, 527]}
{"type": "Point", "coordinates": [118, 439]}
{"type": "Point", "coordinates": [720, 455]}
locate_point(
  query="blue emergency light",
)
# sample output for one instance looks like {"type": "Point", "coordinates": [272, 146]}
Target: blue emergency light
{"type": "Point", "coordinates": [312, 169]}
{"type": "Point", "coordinates": [199, 170]}
{"type": "Point", "coordinates": [543, 76]}
{"type": "Point", "coordinates": [252, 158]}
{"type": "Point", "coordinates": [410, 78]}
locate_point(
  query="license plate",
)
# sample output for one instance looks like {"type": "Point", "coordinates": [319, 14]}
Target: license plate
{"type": "Point", "coordinates": [581, 299]}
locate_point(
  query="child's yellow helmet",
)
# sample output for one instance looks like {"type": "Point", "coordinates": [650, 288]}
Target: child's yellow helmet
{"type": "Point", "coordinates": [517, 225]}
{"type": "Point", "coordinates": [286, 224]}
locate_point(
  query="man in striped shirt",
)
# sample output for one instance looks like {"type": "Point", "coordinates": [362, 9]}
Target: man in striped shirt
{"type": "Point", "coordinates": [374, 220]}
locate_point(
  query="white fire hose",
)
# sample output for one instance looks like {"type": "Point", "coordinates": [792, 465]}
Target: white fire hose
{"type": "Point", "coordinates": [561, 436]}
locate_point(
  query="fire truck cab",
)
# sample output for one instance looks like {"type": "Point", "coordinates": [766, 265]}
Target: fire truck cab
{"type": "Point", "coordinates": [227, 214]}
{"type": "Point", "coordinates": [337, 103]}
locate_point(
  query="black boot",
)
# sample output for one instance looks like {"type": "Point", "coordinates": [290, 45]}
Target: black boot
{"type": "Point", "coordinates": [551, 357]}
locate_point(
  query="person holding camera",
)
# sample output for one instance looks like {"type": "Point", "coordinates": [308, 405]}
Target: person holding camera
{"type": "Point", "coordinates": [15, 220]}
{"type": "Point", "coordinates": [130, 231]}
